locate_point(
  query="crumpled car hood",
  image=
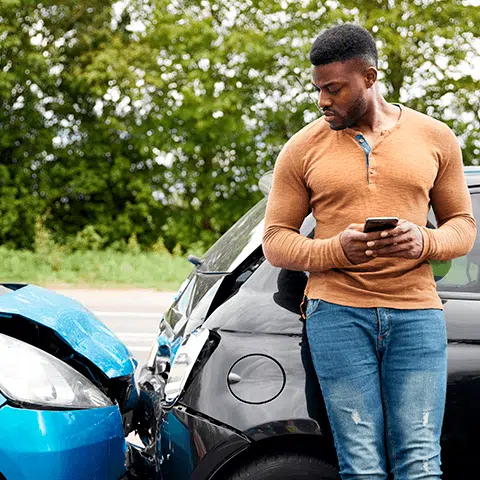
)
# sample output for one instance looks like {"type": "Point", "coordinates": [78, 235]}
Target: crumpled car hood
{"type": "Point", "coordinates": [74, 323]}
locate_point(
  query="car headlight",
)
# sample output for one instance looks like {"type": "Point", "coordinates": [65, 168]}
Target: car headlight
{"type": "Point", "coordinates": [182, 366]}
{"type": "Point", "coordinates": [30, 375]}
{"type": "Point", "coordinates": [161, 352]}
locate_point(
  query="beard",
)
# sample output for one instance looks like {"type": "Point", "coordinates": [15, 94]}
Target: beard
{"type": "Point", "coordinates": [354, 113]}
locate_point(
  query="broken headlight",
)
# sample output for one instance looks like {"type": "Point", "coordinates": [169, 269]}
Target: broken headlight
{"type": "Point", "coordinates": [182, 366]}
{"type": "Point", "coordinates": [31, 376]}
{"type": "Point", "coordinates": [161, 354]}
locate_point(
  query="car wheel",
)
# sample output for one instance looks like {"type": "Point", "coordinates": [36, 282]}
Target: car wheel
{"type": "Point", "coordinates": [291, 466]}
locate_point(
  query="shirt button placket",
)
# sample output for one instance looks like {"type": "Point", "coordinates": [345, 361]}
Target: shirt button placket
{"type": "Point", "coordinates": [372, 170]}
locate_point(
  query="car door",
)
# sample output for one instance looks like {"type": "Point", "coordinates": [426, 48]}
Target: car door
{"type": "Point", "coordinates": [459, 290]}
{"type": "Point", "coordinates": [267, 307]}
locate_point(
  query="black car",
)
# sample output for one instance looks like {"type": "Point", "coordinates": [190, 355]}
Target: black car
{"type": "Point", "coordinates": [229, 391]}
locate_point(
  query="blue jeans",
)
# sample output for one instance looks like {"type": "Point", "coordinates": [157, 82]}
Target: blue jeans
{"type": "Point", "coordinates": [383, 373]}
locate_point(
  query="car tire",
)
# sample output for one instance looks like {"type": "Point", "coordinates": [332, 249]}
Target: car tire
{"type": "Point", "coordinates": [286, 466]}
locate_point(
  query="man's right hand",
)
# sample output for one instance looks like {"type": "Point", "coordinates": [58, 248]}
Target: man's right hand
{"type": "Point", "coordinates": [354, 243]}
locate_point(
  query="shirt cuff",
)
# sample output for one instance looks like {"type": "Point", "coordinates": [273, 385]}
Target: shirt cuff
{"type": "Point", "coordinates": [341, 260]}
{"type": "Point", "coordinates": [426, 232]}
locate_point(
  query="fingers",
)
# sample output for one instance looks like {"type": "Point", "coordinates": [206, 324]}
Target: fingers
{"type": "Point", "coordinates": [391, 250]}
{"type": "Point", "coordinates": [403, 227]}
{"type": "Point", "coordinates": [356, 226]}
{"type": "Point", "coordinates": [403, 241]}
{"type": "Point", "coordinates": [366, 237]}
{"type": "Point", "coordinates": [377, 244]}
{"type": "Point", "coordinates": [404, 232]}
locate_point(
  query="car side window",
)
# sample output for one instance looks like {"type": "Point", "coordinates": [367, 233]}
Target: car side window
{"type": "Point", "coordinates": [461, 274]}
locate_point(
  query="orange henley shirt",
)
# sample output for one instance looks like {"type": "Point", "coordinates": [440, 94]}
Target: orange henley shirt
{"type": "Point", "coordinates": [414, 165]}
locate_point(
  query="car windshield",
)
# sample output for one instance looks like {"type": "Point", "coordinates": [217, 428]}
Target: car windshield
{"type": "Point", "coordinates": [238, 242]}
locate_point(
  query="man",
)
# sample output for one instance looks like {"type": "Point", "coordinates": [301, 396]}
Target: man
{"type": "Point", "coordinates": [375, 323]}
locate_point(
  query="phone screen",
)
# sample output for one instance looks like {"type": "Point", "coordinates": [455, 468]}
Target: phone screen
{"type": "Point", "coordinates": [377, 224]}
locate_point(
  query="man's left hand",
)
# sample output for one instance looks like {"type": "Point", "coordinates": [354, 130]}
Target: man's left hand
{"type": "Point", "coordinates": [403, 241]}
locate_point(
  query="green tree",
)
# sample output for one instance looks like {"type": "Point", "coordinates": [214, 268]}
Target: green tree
{"type": "Point", "coordinates": [24, 134]}
{"type": "Point", "coordinates": [228, 98]}
{"type": "Point", "coordinates": [155, 118]}
{"type": "Point", "coordinates": [74, 146]}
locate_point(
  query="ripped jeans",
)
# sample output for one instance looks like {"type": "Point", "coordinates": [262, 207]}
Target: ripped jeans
{"type": "Point", "coordinates": [383, 373]}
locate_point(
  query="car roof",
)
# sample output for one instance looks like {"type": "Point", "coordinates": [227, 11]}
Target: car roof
{"type": "Point", "coordinates": [472, 175]}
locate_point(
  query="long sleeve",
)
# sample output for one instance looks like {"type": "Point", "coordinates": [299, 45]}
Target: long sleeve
{"type": "Point", "coordinates": [288, 205]}
{"type": "Point", "coordinates": [453, 209]}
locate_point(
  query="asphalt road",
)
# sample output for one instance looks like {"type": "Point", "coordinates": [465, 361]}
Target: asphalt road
{"type": "Point", "coordinates": [133, 315]}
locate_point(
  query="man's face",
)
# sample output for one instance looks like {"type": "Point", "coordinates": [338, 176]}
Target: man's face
{"type": "Point", "coordinates": [342, 92]}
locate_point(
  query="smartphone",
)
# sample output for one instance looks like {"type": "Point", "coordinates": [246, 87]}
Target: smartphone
{"type": "Point", "coordinates": [377, 224]}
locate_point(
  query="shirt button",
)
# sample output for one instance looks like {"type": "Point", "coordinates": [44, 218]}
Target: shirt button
{"type": "Point", "coordinates": [372, 172]}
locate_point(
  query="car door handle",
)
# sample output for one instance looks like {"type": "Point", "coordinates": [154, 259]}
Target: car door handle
{"type": "Point", "coordinates": [233, 378]}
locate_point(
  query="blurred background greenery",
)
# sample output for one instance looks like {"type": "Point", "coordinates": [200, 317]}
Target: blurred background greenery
{"type": "Point", "coordinates": [138, 129]}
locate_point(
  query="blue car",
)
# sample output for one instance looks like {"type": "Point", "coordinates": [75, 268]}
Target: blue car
{"type": "Point", "coordinates": [67, 390]}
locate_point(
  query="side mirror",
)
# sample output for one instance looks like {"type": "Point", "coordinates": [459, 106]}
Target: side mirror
{"type": "Point", "coordinates": [265, 183]}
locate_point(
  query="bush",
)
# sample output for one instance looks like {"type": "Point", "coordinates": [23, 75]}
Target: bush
{"type": "Point", "coordinates": [86, 239]}
{"type": "Point", "coordinates": [94, 268]}
{"type": "Point", "coordinates": [44, 243]}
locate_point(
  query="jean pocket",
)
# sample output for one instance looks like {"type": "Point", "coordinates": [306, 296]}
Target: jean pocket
{"type": "Point", "coordinates": [312, 306]}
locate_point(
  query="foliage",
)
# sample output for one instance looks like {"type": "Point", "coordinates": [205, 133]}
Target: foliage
{"type": "Point", "coordinates": [69, 151]}
{"type": "Point", "coordinates": [149, 122]}
{"type": "Point", "coordinates": [87, 239]}
{"type": "Point", "coordinates": [94, 268]}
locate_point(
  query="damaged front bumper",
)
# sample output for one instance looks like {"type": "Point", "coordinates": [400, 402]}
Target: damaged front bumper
{"type": "Point", "coordinates": [140, 466]}
{"type": "Point", "coordinates": [153, 384]}
{"type": "Point", "coordinates": [180, 443]}
{"type": "Point", "coordinates": [146, 462]}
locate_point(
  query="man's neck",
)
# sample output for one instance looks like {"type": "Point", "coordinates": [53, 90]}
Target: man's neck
{"type": "Point", "coordinates": [380, 116]}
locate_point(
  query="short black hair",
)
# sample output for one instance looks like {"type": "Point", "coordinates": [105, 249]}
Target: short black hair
{"type": "Point", "coordinates": [342, 43]}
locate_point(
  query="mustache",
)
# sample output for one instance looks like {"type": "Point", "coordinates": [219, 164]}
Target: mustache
{"type": "Point", "coordinates": [327, 110]}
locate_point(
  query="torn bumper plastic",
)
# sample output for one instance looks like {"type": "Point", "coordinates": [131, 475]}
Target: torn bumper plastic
{"type": "Point", "coordinates": [148, 418]}
{"type": "Point", "coordinates": [140, 466]}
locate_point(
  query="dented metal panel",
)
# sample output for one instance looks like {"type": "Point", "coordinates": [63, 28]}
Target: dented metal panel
{"type": "Point", "coordinates": [75, 324]}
